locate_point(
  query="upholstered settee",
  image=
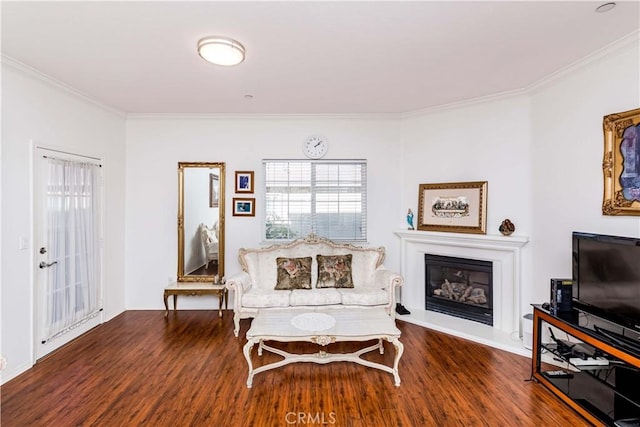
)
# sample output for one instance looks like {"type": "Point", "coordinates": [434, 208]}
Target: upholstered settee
{"type": "Point", "coordinates": [311, 272]}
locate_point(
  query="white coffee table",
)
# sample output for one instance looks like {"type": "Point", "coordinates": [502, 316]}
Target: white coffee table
{"type": "Point", "coordinates": [322, 327]}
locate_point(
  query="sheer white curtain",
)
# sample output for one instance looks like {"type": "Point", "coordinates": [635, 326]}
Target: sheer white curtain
{"type": "Point", "coordinates": [73, 285]}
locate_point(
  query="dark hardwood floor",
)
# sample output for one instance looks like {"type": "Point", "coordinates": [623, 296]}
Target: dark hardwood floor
{"type": "Point", "coordinates": [189, 370]}
{"type": "Point", "coordinates": [204, 271]}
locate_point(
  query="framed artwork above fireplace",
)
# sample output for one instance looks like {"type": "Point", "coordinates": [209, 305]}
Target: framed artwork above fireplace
{"type": "Point", "coordinates": [458, 207]}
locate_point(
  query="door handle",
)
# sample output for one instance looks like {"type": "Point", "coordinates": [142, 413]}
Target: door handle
{"type": "Point", "coordinates": [45, 265]}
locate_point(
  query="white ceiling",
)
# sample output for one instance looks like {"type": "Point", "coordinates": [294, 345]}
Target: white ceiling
{"type": "Point", "coordinates": [305, 57]}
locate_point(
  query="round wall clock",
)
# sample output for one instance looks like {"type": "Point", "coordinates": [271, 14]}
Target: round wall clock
{"type": "Point", "coordinates": [315, 147]}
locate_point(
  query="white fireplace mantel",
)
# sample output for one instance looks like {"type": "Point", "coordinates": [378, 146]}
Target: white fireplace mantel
{"type": "Point", "coordinates": [502, 251]}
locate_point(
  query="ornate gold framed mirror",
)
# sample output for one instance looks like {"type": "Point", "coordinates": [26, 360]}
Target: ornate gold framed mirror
{"type": "Point", "coordinates": [200, 221]}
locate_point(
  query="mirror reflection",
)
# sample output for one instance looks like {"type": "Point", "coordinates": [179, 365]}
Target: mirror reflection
{"type": "Point", "coordinates": [200, 221]}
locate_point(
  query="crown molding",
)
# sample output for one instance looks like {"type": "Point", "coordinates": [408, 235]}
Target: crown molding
{"type": "Point", "coordinates": [465, 103]}
{"type": "Point", "coordinates": [263, 116]}
{"type": "Point", "coordinates": [617, 45]}
{"type": "Point", "coordinates": [38, 75]}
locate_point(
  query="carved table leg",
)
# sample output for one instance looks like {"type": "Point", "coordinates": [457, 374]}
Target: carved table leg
{"type": "Point", "coordinates": [247, 355]}
{"type": "Point", "coordinates": [220, 299]}
{"type": "Point", "coordinates": [399, 350]}
{"type": "Point", "coordinates": [166, 304]}
{"type": "Point", "coordinates": [236, 324]}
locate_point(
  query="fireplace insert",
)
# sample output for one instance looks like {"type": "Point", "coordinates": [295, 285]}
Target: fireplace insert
{"type": "Point", "coordinates": [459, 287]}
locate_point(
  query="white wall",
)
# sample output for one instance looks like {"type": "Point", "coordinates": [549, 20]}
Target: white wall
{"type": "Point", "coordinates": [484, 142]}
{"type": "Point", "coordinates": [35, 110]}
{"type": "Point", "coordinates": [489, 142]}
{"type": "Point", "coordinates": [156, 145]}
{"type": "Point", "coordinates": [567, 151]}
{"type": "Point", "coordinates": [541, 153]}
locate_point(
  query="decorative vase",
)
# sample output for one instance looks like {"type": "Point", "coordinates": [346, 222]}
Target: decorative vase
{"type": "Point", "coordinates": [507, 227]}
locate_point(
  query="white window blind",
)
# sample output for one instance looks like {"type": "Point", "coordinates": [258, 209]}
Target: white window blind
{"type": "Point", "coordinates": [328, 198]}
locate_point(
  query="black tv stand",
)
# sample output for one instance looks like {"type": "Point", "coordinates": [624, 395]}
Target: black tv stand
{"type": "Point", "coordinates": [605, 392]}
{"type": "Point", "coordinates": [619, 339]}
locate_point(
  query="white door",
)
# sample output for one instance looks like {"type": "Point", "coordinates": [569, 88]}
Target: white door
{"type": "Point", "coordinates": [68, 246]}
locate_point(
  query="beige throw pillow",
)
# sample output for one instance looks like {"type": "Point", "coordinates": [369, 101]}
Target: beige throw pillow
{"type": "Point", "coordinates": [334, 271]}
{"type": "Point", "coordinates": [294, 273]}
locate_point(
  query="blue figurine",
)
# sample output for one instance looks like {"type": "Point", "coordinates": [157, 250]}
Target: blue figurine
{"type": "Point", "coordinates": [410, 219]}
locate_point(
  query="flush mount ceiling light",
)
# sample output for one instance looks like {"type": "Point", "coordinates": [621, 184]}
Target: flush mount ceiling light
{"type": "Point", "coordinates": [221, 50]}
{"type": "Point", "coordinates": [605, 7]}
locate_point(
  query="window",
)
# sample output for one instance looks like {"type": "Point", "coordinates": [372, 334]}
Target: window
{"type": "Point", "coordinates": [328, 198]}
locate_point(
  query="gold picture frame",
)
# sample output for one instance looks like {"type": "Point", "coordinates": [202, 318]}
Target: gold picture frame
{"type": "Point", "coordinates": [620, 164]}
{"type": "Point", "coordinates": [456, 207]}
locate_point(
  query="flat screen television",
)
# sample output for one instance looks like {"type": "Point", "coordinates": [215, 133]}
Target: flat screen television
{"type": "Point", "coordinates": [606, 277]}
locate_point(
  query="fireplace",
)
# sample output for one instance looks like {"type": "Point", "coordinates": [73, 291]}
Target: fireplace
{"type": "Point", "coordinates": [506, 256]}
{"type": "Point", "coordinates": [459, 287]}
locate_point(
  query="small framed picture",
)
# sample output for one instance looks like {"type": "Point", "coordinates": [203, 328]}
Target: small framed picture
{"type": "Point", "coordinates": [244, 181]}
{"type": "Point", "coordinates": [214, 190]}
{"type": "Point", "coordinates": [244, 207]}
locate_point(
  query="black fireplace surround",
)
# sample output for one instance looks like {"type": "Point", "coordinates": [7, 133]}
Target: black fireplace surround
{"type": "Point", "coordinates": [459, 287]}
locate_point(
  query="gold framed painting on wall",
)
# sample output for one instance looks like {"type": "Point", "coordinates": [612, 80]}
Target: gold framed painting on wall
{"type": "Point", "coordinates": [621, 163]}
{"type": "Point", "coordinates": [457, 207]}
